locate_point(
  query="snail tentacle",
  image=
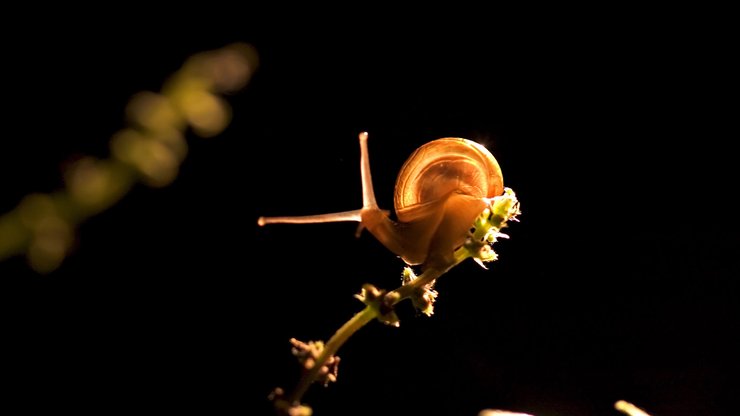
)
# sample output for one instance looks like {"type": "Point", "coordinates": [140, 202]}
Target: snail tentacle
{"type": "Point", "coordinates": [354, 215]}
{"type": "Point", "coordinates": [369, 205]}
{"type": "Point", "coordinates": [368, 193]}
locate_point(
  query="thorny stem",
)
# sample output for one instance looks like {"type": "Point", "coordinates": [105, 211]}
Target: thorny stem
{"type": "Point", "coordinates": [337, 340]}
{"type": "Point", "coordinates": [407, 290]}
{"type": "Point", "coordinates": [429, 276]}
{"type": "Point", "coordinates": [358, 321]}
{"type": "Point", "coordinates": [485, 229]}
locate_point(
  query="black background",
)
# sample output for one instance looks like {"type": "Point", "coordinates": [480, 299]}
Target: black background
{"type": "Point", "coordinates": [619, 282]}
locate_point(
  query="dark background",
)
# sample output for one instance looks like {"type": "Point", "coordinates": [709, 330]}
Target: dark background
{"type": "Point", "coordinates": [619, 282]}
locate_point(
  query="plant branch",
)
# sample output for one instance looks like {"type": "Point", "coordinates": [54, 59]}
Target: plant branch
{"type": "Point", "coordinates": [337, 340]}
{"type": "Point", "coordinates": [379, 304]}
{"type": "Point", "coordinates": [359, 320]}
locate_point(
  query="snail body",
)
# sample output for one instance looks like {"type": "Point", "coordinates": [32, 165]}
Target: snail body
{"type": "Point", "coordinates": [440, 191]}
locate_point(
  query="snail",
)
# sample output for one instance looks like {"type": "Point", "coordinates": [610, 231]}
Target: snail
{"type": "Point", "coordinates": [442, 190]}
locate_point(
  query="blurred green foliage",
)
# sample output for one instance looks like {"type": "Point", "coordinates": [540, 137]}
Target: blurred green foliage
{"type": "Point", "coordinates": [149, 150]}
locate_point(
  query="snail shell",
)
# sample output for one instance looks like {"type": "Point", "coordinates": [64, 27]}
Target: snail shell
{"type": "Point", "coordinates": [442, 166]}
{"type": "Point", "coordinates": [440, 190]}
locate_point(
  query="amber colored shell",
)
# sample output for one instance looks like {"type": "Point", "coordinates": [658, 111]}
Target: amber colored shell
{"type": "Point", "coordinates": [441, 167]}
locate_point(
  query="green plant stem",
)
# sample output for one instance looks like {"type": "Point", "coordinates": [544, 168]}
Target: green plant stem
{"type": "Point", "coordinates": [486, 227]}
{"type": "Point", "coordinates": [429, 276]}
{"type": "Point", "coordinates": [406, 291]}
{"type": "Point", "coordinates": [359, 320]}
{"type": "Point", "coordinates": [337, 340]}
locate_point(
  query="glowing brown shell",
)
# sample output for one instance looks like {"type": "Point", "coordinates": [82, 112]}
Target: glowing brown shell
{"type": "Point", "coordinates": [443, 166]}
{"type": "Point", "coordinates": [440, 191]}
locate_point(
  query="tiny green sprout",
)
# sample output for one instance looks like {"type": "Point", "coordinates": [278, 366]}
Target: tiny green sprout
{"type": "Point", "coordinates": [486, 229]}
